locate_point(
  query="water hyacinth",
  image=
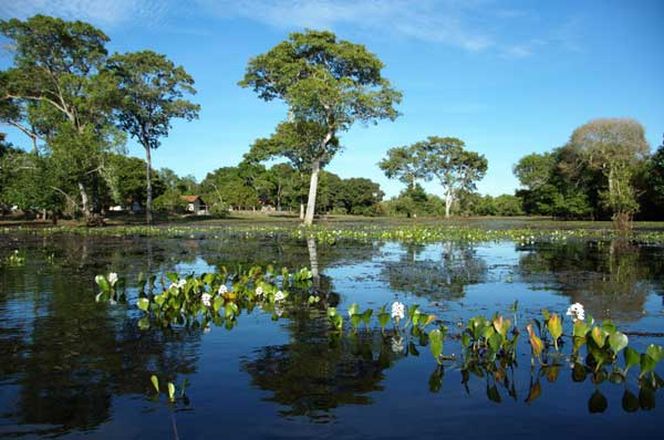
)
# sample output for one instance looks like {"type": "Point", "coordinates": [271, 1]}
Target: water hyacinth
{"type": "Point", "coordinates": [259, 291]}
{"type": "Point", "coordinates": [222, 290]}
{"type": "Point", "coordinates": [206, 298]}
{"type": "Point", "coordinates": [398, 311]}
{"type": "Point", "coordinates": [112, 278]}
{"type": "Point", "coordinates": [279, 296]}
{"type": "Point", "coordinates": [179, 284]}
{"type": "Point", "coordinates": [577, 312]}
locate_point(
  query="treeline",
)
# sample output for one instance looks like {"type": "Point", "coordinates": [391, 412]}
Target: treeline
{"type": "Point", "coordinates": [78, 104]}
{"type": "Point", "coordinates": [251, 186]}
{"type": "Point", "coordinates": [605, 171]}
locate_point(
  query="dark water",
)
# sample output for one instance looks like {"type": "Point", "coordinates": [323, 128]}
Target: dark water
{"type": "Point", "coordinates": [74, 368]}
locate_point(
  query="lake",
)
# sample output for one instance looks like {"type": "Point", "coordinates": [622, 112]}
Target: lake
{"type": "Point", "coordinates": [74, 367]}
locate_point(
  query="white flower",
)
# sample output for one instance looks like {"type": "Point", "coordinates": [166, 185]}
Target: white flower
{"type": "Point", "coordinates": [222, 289]}
{"type": "Point", "coordinates": [576, 312]}
{"type": "Point", "coordinates": [397, 344]}
{"type": "Point", "coordinates": [398, 311]}
{"type": "Point", "coordinates": [279, 296]}
{"type": "Point", "coordinates": [112, 278]}
{"type": "Point", "coordinates": [179, 285]}
{"type": "Point", "coordinates": [206, 298]}
{"type": "Point", "coordinates": [259, 291]}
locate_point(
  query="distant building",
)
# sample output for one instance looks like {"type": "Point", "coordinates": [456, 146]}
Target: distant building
{"type": "Point", "coordinates": [195, 205]}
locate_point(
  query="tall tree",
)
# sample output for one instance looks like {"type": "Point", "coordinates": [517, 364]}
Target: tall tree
{"type": "Point", "coordinates": [55, 76]}
{"type": "Point", "coordinates": [299, 142]}
{"type": "Point", "coordinates": [444, 158]}
{"type": "Point", "coordinates": [324, 81]}
{"type": "Point", "coordinates": [614, 146]}
{"type": "Point", "coordinates": [401, 163]}
{"type": "Point", "coordinates": [534, 170]}
{"type": "Point", "coordinates": [151, 90]}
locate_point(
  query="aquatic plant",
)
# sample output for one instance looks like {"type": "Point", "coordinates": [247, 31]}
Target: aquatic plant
{"type": "Point", "coordinates": [198, 300]}
{"type": "Point", "coordinates": [14, 259]}
{"type": "Point", "coordinates": [111, 288]}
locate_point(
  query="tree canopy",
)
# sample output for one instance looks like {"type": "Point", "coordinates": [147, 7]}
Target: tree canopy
{"type": "Point", "coordinates": [328, 84]}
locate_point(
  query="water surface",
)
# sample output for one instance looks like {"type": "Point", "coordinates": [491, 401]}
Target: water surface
{"type": "Point", "coordinates": [74, 368]}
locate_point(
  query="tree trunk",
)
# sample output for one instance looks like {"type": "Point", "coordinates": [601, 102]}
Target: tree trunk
{"type": "Point", "coordinates": [448, 203]}
{"type": "Point", "coordinates": [85, 207]}
{"type": "Point", "coordinates": [148, 202]}
{"type": "Point", "coordinates": [313, 188]}
{"type": "Point", "coordinates": [313, 262]}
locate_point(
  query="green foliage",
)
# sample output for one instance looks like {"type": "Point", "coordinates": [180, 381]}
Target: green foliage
{"type": "Point", "coordinates": [56, 84]}
{"type": "Point", "coordinates": [170, 201]}
{"type": "Point", "coordinates": [14, 259]}
{"type": "Point", "coordinates": [149, 93]}
{"type": "Point", "coordinates": [328, 85]}
{"type": "Point", "coordinates": [198, 301]}
{"type": "Point", "coordinates": [443, 158]}
{"type": "Point", "coordinates": [594, 175]}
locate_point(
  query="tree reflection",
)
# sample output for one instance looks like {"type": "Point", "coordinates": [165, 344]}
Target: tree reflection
{"type": "Point", "coordinates": [69, 356]}
{"type": "Point", "coordinates": [445, 278]}
{"type": "Point", "coordinates": [611, 279]}
{"type": "Point", "coordinates": [317, 372]}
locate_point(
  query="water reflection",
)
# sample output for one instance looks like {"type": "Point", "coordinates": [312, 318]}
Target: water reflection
{"type": "Point", "coordinates": [612, 279]}
{"type": "Point", "coordinates": [64, 359]}
{"type": "Point", "coordinates": [436, 272]}
{"type": "Point", "coordinates": [317, 372]}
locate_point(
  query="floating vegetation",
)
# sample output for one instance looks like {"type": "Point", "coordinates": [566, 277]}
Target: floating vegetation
{"type": "Point", "coordinates": [417, 234]}
{"type": "Point", "coordinates": [217, 298]}
{"type": "Point", "coordinates": [14, 259]}
{"type": "Point", "coordinates": [489, 346]}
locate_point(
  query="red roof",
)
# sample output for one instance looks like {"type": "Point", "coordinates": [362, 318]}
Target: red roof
{"type": "Point", "coordinates": [191, 199]}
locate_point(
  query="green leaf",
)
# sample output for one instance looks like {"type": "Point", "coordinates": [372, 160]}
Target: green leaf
{"type": "Point", "coordinates": [618, 341]}
{"type": "Point", "coordinates": [383, 319]}
{"type": "Point", "coordinates": [171, 392]}
{"type": "Point", "coordinates": [172, 277]}
{"type": "Point", "coordinates": [144, 323]}
{"type": "Point", "coordinates": [103, 283]}
{"type": "Point", "coordinates": [656, 352]}
{"type": "Point", "coordinates": [647, 364]}
{"type": "Point", "coordinates": [143, 304]}
{"type": "Point", "coordinates": [609, 326]}
{"type": "Point", "coordinates": [155, 382]}
{"type": "Point", "coordinates": [555, 326]}
{"type": "Point", "coordinates": [495, 341]}
{"type": "Point", "coordinates": [631, 357]}
{"type": "Point", "coordinates": [599, 336]}
{"type": "Point", "coordinates": [436, 344]}
{"type": "Point", "coordinates": [580, 329]}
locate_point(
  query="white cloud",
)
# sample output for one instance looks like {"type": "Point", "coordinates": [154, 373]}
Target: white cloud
{"type": "Point", "coordinates": [440, 21]}
{"type": "Point", "coordinates": [471, 25]}
{"type": "Point", "coordinates": [103, 12]}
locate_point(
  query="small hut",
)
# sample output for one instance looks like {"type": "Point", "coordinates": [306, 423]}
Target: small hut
{"type": "Point", "coordinates": [196, 205]}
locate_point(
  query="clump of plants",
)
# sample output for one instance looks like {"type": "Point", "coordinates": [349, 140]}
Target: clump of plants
{"type": "Point", "coordinates": [112, 288]}
{"type": "Point", "coordinates": [14, 259]}
{"type": "Point", "coordinates": [218, 298]}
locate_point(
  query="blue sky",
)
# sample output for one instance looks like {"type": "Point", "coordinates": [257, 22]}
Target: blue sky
{"type": "Point", "coordinates": [509, 78]}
